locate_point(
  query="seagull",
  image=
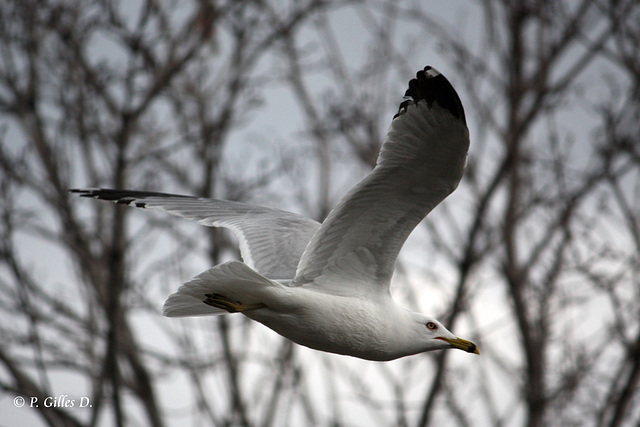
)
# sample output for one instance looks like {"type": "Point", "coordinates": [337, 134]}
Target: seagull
{"type": "Point", "coordinates": [326, 286]}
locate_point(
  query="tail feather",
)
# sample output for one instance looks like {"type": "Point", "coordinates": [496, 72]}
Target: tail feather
{"type": "Point", "coordinates": [234, 280]}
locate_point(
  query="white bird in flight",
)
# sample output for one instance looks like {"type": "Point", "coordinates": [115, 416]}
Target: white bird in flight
{"type": "Point", "coordinates": [326, 286]}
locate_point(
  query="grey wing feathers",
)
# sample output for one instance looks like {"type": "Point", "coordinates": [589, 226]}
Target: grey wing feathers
{"type": "Point", "coordinates": [271, 240]}
{"type": "Point", "coordinates": [420, 163]}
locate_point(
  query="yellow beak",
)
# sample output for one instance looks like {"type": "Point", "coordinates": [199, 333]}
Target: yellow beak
{"type": "Point", "coordinates": [461, 344]}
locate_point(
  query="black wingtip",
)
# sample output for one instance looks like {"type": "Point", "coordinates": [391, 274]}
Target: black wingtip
{"type": "Point", "coordinates": [123, 197]}
{"type": "Point", "coordinates": [432, 86]}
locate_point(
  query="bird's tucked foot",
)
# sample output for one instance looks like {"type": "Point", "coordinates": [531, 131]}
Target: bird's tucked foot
{"type": "Point", "coordinates": [224, 303]}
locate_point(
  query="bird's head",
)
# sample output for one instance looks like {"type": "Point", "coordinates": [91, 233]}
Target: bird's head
{"type": "Point", "coordinates": [434, 336]}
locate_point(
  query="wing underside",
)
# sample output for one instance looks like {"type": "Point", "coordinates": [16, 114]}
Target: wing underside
{"type": "Point", "coordinates": [271, 240]}
{"type": "Point", "coordinates": [420, 163]}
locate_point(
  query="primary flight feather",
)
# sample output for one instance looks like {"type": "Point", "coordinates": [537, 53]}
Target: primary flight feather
{"type": "Point", "coordinates": [326, 286]}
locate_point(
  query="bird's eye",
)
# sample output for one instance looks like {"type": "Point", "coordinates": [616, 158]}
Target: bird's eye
{"type": "Point", "coordinates": [432, 326]}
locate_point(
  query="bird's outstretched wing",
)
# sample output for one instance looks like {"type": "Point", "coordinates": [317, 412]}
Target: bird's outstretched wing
{"type": "Point", "coordinates": [271, 240]}
{"type": "Point", "coordinates": [420, 163]}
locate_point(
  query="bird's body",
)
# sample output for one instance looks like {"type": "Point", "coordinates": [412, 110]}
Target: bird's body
{"type": "Point", "coordinates": [326, 286]}
{"type": "Point", "coordinates": [368, 328]}
{"type": "Point", "coordinates": [344, 325]}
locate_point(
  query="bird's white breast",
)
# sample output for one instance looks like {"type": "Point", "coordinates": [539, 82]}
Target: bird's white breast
{"type": "Point", "coordinates": [352, 326]}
